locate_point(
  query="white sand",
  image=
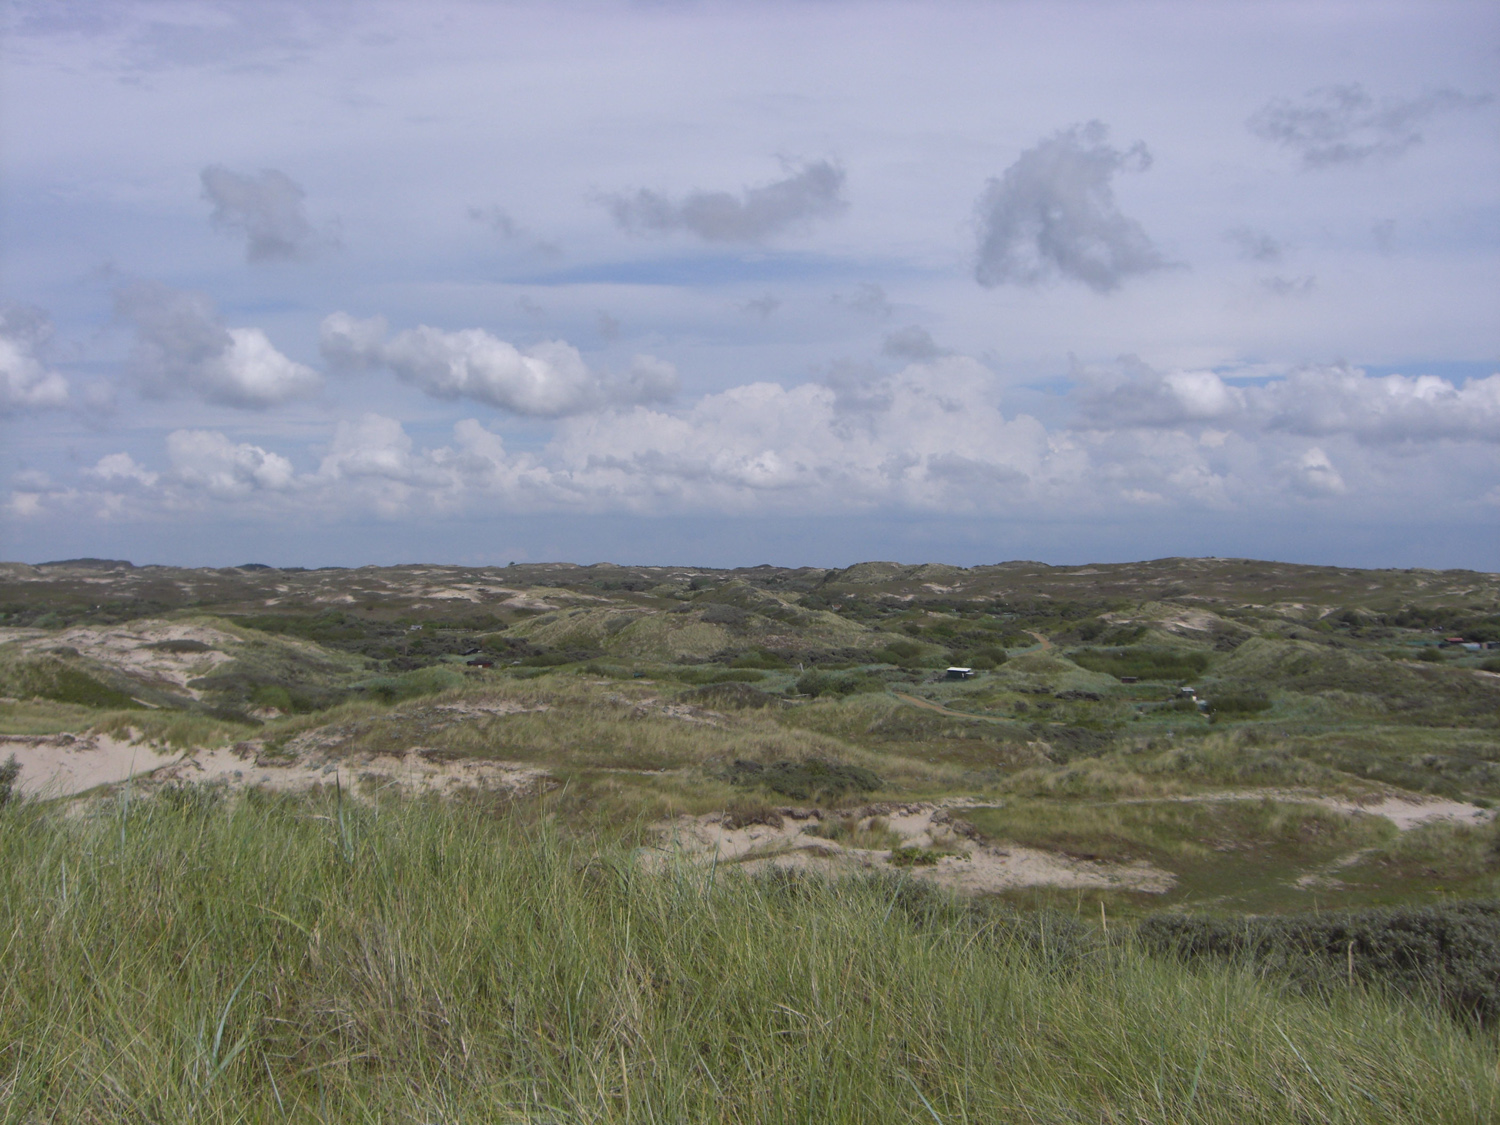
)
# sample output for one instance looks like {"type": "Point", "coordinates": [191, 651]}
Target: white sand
{"type": "Point", "coordinates": [973, 868]}
{"type": "Point", "coordinates": [62, 765]}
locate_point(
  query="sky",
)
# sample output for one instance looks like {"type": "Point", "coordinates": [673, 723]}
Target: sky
{"type": "Point", "coordinates": [317, 283]}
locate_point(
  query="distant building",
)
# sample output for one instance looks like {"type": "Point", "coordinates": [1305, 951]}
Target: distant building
{"type": "Point", "coordinates": [481, 664]}
{"type": "Point", "coordinates": [959, 674]}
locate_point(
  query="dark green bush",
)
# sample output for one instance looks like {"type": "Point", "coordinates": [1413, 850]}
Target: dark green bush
{"type": "Point", "coordinates": [1238, 703]}
{"type": "Point", "coordinates": [51, 678]}
{"type": "Point", "coordinates": [8, 774]}
{"type": "Point", "coordinates": [1142, 663]}
{"type": "Point", "coordinates": [717, 675]}
{"type": "Point", "coordinates": [817, 683]}
{"type": "Point", "coordinates": [759, 659]}
{"type": "Point", "coordinates": [806, 780]}
{"type": "Point", "coordinates": [901, 653]}
{"type": "Point", "coordinates": [181, 646]}
{"type": "Point", "coordinates": [1449, 952]}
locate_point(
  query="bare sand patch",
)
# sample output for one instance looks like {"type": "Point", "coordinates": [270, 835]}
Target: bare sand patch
{"type": "Point", "coordinates": [62, 765]}
{"type": "Point", "coordinates": [781, 839]}
{"type": "Point", "coordinates": [1411, 812]}
{"type": "Point", "coordinates": [418, 771]}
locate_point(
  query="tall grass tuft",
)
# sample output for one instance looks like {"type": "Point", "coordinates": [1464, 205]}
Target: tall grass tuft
{"type": "Point", "coordinates": [277, 958]}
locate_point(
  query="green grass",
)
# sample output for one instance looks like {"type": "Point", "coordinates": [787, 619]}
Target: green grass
{"type": "Point", "coordinates": [1143, 663]}
{"type": "Point", "coordinates": [1239, 855]}
{"type": "Point", "coordinates": [188, 959]}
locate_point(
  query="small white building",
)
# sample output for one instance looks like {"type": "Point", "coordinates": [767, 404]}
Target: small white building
{"type": "Point", "coordinates": [959, 674]}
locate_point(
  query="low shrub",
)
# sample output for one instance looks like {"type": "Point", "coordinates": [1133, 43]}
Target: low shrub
{"type": "Point", "coordinates": [9, 772]}
{"type": "Point", "coordinates": [181, 647]}
{"type": "Point", "coordinates": [1450, 951]}
{"type": "Point", "coordinates": [768, 661]}
{"type": "Point", "coordinates": [1142, 663]}
{"type": "Point", "coordinates": [817, 683]}
{"type": "Point", "coordinates": [807, 780]}
{"type": "Point", "coordinates": [1238, 703]}
{"type": "Point", "coordinates": [715, 675]}
{"type": "Point", "coordinates": [735, 695]}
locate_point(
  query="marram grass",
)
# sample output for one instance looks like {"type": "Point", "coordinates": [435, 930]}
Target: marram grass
{"type": "Point", "coordinates": [298, 959]}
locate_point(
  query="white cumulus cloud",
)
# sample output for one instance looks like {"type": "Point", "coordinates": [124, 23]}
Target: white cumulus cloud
{"type": "Point", "coordinates": [26, 383]}
{"type": "Point", "coordinates": [209, 460]}
{"type": "Point", "coordinates": [547, 380]}
{"type": "Point", "coordinates": [182, 346]}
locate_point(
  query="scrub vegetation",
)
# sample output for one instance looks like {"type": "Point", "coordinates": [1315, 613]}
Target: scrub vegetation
{"type": "Point", "coordinates": [1193, 840]}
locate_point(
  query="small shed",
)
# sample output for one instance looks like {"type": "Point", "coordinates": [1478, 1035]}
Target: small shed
{"type": "Point", "coordinates": [959, 674]}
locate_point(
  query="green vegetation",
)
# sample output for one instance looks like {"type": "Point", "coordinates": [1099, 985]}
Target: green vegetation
{"type": "Point", "coordinates": [59, 680]}
{"type": "Point", "coordinates": [302, 959]}
{"type": "Point", "coordinates": [215, 952]}
{"type": "Point", "coordinates": [1448, 953]}
{"type": "Point", "coordinates": [1143, 663]}
{"type": "Point", "coordinates": [812, 779]}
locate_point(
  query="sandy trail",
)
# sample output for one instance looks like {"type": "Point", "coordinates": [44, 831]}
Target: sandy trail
{"type": "Point", "coordinates": [1045, 643]}
{"type": "Point", "coordinates": [1406, 812]}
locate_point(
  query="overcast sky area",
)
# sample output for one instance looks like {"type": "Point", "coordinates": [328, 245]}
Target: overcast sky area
{"type": "Point", "coordinates": [333, 283]}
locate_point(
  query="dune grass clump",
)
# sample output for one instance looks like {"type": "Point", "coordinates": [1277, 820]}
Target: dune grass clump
{"type": "Point", "coordinates": [301, 959]}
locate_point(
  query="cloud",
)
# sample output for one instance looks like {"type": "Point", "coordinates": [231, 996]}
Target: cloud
{"type": "Point", "coordinates": [1381, 410]}
{"type": "Point", "coordinates": [870, 300]}
{"type": "Point", "coordinates": [1138, 396]}
{"type": "Point", "coordinates": [1336, 125]}
{"type": "Point", "coordinates": [266, 209]}
{"type": "Point", "coordinates": [182, 346]}
{"type": "Point", "coordinates": [1290, 286]}
{"type": "Point", "coordinates": [500, 221]}
{"type": "Point", "coordinates": [932, 438]}
{"type": "Point", "coordinates": [1313, 474]}
{"type": "Point", "coordinates": [548, 380]}
{"type": "Point", "coordinates": [762, 306]}
{"type": "Point", "coordinates": [813, 191]}
{"type": "Point", "coordinates": [206, 459]}
{"type": "Point", "coordinates": [912, 342]}
{"type": "Point", "coordinates": [122, 467]}
{"type": "Point", "coordinates": [25, 381]}
{"type": "Point", "coordinates": [1311, 402]}
{"type": "Point", "coordinates": [1053, 214]}
{"type": "Point", "coordinates": [1256, 245]}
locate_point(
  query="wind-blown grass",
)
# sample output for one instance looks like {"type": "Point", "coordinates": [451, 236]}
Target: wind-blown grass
{"type": "Point", "coordinates": [273, 959]}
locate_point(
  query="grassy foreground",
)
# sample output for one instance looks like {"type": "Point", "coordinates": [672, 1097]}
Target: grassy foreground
{"type": "Point", "coordinates": [299, 959]}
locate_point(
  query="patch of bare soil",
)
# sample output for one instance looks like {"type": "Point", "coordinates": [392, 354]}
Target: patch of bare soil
{"type": "Point", "coordinates": [61, 765]}
{"type": "Point", "coordinates": [962, 859]}
{"type": "Point", "coordinates": [1410, 812]}
{"type": "Point", "coordinates": [67, 765]}
{"type": "Point", "coordinates": [419, 771]}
